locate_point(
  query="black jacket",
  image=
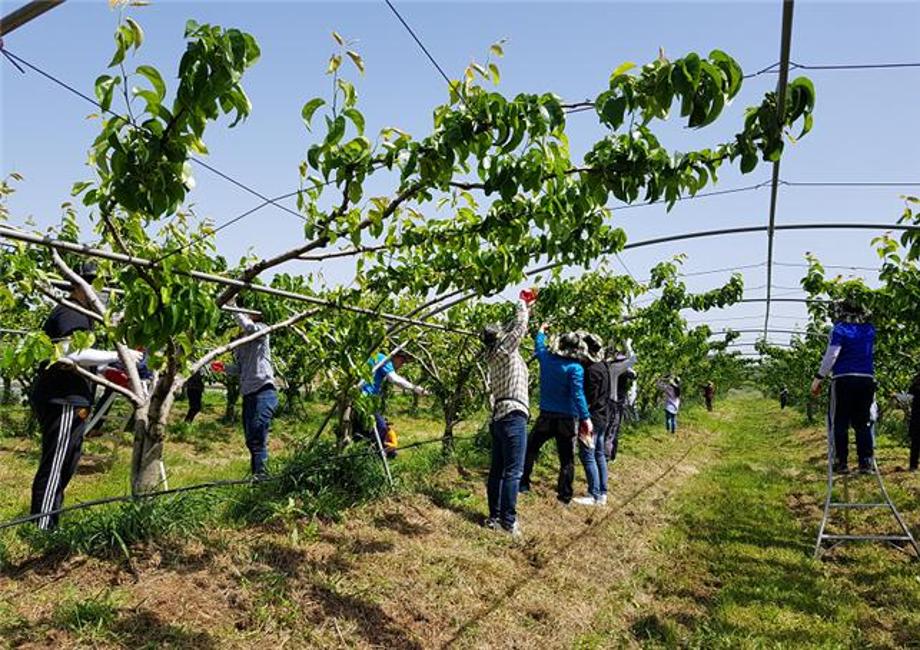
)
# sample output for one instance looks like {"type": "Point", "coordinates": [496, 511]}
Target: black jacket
{"type": "Point", "coordinates": [597, 389]}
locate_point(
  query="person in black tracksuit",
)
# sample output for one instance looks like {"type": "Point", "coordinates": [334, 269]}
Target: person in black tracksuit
{"type": "Point", "coordinates": [61, 399]}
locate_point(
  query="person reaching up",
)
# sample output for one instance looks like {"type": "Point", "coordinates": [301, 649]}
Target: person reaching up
{"type": "Point", "coordinates": [670, 389]}
{"type": "Point", "coordinates": [564, 415]}
{"type": "Point", "coordinates": [510, 404]}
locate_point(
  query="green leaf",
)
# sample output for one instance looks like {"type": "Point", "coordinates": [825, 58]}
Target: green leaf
{"type": "Point", "coordinates": [156, 80]}
{"type": "Point", "coordinates": [623, 68]}
{"type": "Point", "coordinates": [338, 38]}
{"type": "Point", "coordinates": [309, 109]}
{"type": "Point", "coordinates": [356, 59]}
{"type": "Point", "coordinates": [334, 62]}
{"type": "Point", "coordinates": [104, 87]}
{"type": "Point", "coordinates": [356, 117]}
{"type": "Point", "coordinates": [496, 75]}
{"type": "Point", "coordinates": [136, 31]}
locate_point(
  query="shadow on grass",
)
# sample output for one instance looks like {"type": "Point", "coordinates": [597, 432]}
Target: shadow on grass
{"type": "Point", "coordinates": [373, 624]}
{"type": "Point", "coordinates": [145, 629]}
{"type": "Point", "coordinates": [397, 522]}
{"type": "Point", "coordinates": [456, 500]}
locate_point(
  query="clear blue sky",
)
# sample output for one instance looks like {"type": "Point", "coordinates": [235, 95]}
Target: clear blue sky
{"type": "Point", "coordinates": [866, 123]}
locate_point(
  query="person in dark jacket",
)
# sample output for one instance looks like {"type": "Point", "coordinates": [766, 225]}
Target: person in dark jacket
{"type": "Point", "coordinates": [194, 390]}
{"type": "Point", "coordinates": [620, 368]}
{"type": "Point", "coordinates": [62, 398]}
{"type": "Point", "coordinates": [709, 393]}
{"type": "Point", "coordinates": [783, 397]}
{"type": "Point", "coordinates": [914, 429]}
{"type": "Point", "coordinates": [564, 414]}
{"type": "Point", "coordinates": [849, 361]}
{"type": "Point", "coordinates": [597, 394]}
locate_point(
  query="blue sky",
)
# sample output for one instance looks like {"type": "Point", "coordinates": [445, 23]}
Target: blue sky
{"type": "Point", "coordinates": [865, 122]}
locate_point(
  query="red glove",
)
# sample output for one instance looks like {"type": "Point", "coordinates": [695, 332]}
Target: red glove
{"type": "Point", "coordinates": [217, 366]}
{"type": "Point", "coordinates": [117, 376]}
{"type": "Point", "coordinates": [529, 295]}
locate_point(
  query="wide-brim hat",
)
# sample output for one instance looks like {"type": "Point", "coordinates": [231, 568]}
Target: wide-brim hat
{"type": "Point", "coordinates": [569, 346]}
{"type": "Point", "coordinates": [594, 347]}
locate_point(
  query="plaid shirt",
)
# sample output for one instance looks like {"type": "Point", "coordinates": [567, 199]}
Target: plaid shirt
{"type": "Point", "coordinates": [508, 376]}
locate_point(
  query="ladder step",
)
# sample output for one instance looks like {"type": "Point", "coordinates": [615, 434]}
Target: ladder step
{"type": "Point", "coordinates": [867, 538]}
{"type": "Point", "coordinates": [859, 506]}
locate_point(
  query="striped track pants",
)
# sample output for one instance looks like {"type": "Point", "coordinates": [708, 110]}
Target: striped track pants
{"type": "Point", "coordinates": [62, 442]}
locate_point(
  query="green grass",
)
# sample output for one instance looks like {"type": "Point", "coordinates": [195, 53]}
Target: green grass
{"type": "Point", "coordinates": [739, 570]}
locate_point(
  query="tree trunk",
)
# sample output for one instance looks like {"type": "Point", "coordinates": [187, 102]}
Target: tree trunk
{"type": "Point", "coordinates": [148, 472]}
{"type": "Point", "coordinates": [233, 394]}
{"type": "Point", "coordinates": [7, 395]}
{"type": "Point", "coordinates": [450, 419]}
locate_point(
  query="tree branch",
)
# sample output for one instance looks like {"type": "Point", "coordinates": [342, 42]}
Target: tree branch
{"type": "Point", "coordinates": [90, 293]}
{"type": "Point", "coordinates": [70, 304]}
{"type": "Point", "coordinates": [102, 381]}
{"type": "Point", "coordinates": [232, 345]}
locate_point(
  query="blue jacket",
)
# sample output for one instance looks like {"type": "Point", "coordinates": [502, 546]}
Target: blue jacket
{"type": "Point", "coordinates": [562, 383]}
{"type": "Point", "coordinates": [380, 374]}
{"type": "Point", "coordinates": [855, 341]}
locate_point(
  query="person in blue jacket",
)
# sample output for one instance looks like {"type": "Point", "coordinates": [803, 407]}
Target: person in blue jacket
{"type": "Point", "coordinates": [384, 369]}
{"type": "Point", "coordinates": [849, 362]}
{"type": "Point", "coordinates": [564, 414]}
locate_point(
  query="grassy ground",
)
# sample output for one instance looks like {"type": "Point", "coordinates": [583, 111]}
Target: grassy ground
{"type": "Point", "coordinates": [735, 568]}
{"type": "Point", "coordinates": [206, 450]}
{"type": "Point", "coordinates": [706, 543]}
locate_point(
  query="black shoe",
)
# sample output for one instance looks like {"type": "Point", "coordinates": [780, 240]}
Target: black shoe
{"type": "Point", "coordinates": [523, 488]}
{"type": "Point", "coordinates": [841, 468]}
{"type": "Point", "coordinates": [865, 466]}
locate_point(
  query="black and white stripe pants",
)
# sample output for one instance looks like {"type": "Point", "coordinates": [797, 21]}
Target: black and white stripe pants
{"type": "Point", "coordinates": [62, 442]}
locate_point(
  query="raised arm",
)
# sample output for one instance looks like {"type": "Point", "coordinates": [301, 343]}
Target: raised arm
{"type": "Point", "coordinates": [540, 349]}
{"type": "Point", "coordinates": [516, 327]}
{"type": "Point", "coordinates": [246, 323]}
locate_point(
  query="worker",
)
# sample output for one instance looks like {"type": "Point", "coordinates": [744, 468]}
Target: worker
{"type": "Point", "coordinates": [62, 398]}
{"type": "Point", "coordinates": [849, 362]}
{"type": "Point", "coordinates": [373, 426]}
{"type": "Point", "coordinates": [508, 381]}
{"type": "Point", "coordinates": [564, 415]}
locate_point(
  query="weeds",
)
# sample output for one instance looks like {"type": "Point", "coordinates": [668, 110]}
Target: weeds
{"type": "Point", "coordinates": [111, 531]}
{"type": "Point", "coordinates": [89, 619]}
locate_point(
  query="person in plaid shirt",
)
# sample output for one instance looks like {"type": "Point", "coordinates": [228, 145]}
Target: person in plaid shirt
{"type": "Point", "coordinates": [508, 383]}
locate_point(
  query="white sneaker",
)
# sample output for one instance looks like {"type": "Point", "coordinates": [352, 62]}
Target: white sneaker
{"type": "Point", "coordinates": [585, 501]}
{"type": "Point", "coordinates": [514, 532]}
{"type": "Point", "coordinates": [602, 500]}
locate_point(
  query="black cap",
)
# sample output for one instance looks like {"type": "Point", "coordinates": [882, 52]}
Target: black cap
{"type": "Point", "coordinates": [87, 270]}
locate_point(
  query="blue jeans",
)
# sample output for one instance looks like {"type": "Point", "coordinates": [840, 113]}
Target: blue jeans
{"type": "Point", "coordinates": [670, 422]}
{"type": "Point", "coordinates": [509, 440]}
{"type": "Point", "coordinates": [258, 410]}
{"type": "Point", "coordinates": [595, 461]}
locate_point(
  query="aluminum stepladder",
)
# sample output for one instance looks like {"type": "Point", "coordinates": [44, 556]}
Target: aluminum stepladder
{"type": "Point", "coordinates": [906, 538]}
{"type": "Point", "coordinates": [383, 454]}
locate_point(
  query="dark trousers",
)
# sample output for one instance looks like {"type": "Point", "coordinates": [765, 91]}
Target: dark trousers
{"type": "Point", "coordinates": [615, 412]}
{"type": "Point", "coordinates": [509, 440]}
{"type": "Point", "coordinates": [258, 411]}
{"type": "Point", "coordinates": [194, 402]}
{"type": "Point", "coordinates": [915, 434]}
{"type": "Point", "coordinates": [708, 402]}
{"type": "Point", "coordinates": [375, 432]}
{"type": "Point", "coordinates": [564, 429]}
{"type": "Point", "coordinates": [62, 442]}
{"type": "Point", "coordinates": [850, 401]}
